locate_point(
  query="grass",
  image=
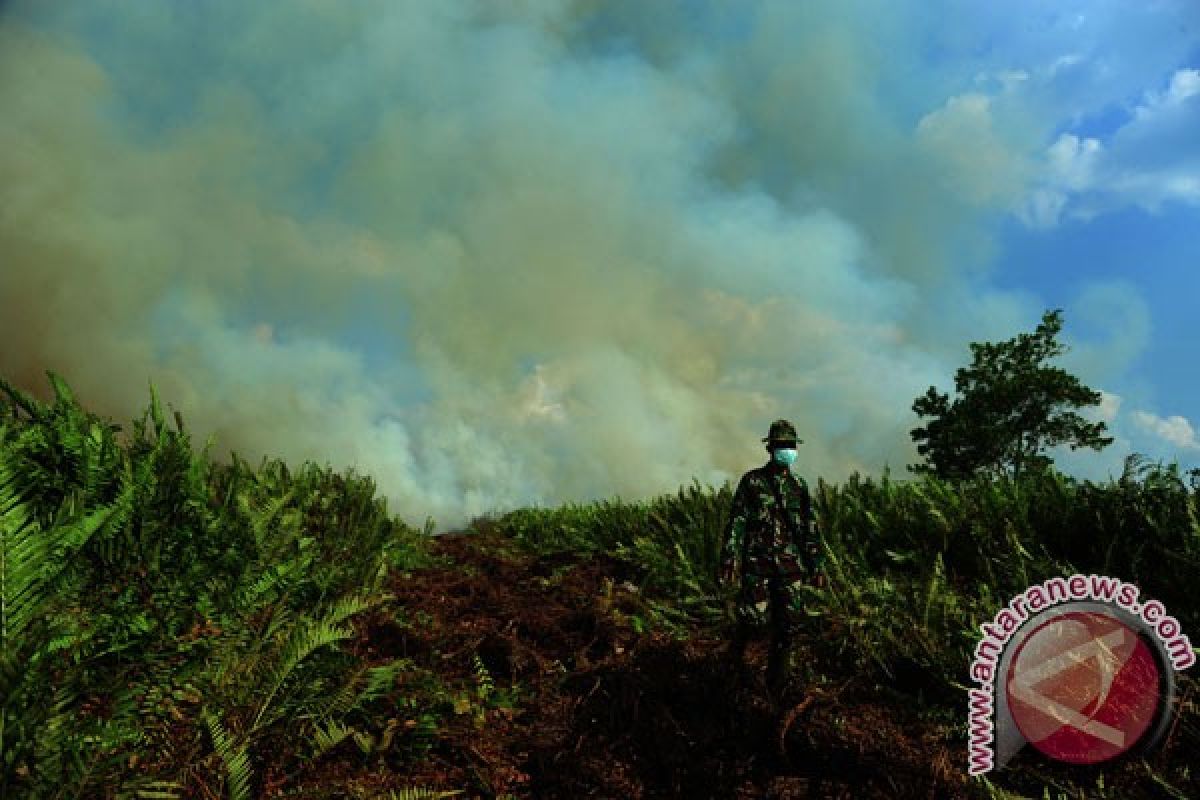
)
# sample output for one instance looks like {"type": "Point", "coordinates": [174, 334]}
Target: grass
{"type": "Point", "coordinates": [169, 625]}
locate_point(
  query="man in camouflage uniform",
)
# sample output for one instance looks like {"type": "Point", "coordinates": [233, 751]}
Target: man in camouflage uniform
{"type": "Point", "coordinates": [773, 533]}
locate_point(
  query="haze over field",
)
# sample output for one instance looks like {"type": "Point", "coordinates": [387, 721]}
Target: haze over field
{"type": "Point", "coordinates": [534, 252]}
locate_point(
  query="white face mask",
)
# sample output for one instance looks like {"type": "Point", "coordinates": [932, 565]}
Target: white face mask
{"type": "Point", "coordinates": [784, 455]}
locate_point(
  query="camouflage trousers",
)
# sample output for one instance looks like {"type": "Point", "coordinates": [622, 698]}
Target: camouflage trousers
{"type": "Point", "coordinates": [771, 593]}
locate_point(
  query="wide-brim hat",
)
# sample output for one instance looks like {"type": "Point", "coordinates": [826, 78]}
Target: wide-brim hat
{"type": "Point", "coordinates": [782, 431]}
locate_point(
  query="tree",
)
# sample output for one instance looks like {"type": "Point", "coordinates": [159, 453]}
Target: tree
{"type": "Point", "coordinates": [1010, 407]}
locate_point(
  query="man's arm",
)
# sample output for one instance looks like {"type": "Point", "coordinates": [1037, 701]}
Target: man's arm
{"type": "Point", "coordinates": [735, 532]}
{"type": "Point", "coordinates": [814, 555]}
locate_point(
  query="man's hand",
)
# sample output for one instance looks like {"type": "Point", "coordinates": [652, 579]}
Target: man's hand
{"type": "Point", "coordinates": [812, 560]}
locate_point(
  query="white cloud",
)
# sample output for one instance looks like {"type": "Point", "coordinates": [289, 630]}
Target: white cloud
{"type": "Point", "coordinates": [1073, 160]}
{"type": "Point", "coordinates": [1110, 406]}
{"type": "Point", "coordinates": [1184, 84]}
{"type": "Point", "coordinates": [1175, 430]}
{"type": "Point", "coordinates": [1063, 62]}
{"type": "Point", "coordinates": [1069, 167]}
{"type": "Point", "coordinates": [1153, 158]}
{"type": "Point", "coordinates": [1164, 439]}
{"type": "Point", "coordinates": [1006, 79]}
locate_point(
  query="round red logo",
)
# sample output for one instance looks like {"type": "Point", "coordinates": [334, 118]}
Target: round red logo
{"type": "Point", "coordinates": [1084, 687]}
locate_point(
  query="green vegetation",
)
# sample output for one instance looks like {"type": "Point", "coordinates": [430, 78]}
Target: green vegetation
{"type": "Point", "coordinates": [171, 626]}
{"type": "Point", "coordinates": [672, 542]}
{"type": "Point", "coordinates": [165, 621]}
{"type": "Point", "coordinates": [1010, 407]}
{"type": "Point", "coordinates": [915, 566]}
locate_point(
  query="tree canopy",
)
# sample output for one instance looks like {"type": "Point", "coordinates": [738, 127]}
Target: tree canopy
{"type": "Point", "coordinates": [1011, 406]}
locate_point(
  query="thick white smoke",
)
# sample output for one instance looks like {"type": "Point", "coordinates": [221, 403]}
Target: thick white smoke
{"type": "Point", "coordinates": [501, 255]}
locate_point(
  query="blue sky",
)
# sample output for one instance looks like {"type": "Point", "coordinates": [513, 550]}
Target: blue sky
{"type": "Point", "coordinates": [509, 253]}
{"type": "Point", "coordinates": [1155, 252]}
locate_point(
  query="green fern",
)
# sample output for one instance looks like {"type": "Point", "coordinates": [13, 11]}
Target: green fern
{"type": "Point", "coordinates": [413, 793]}
{"type": "Point", "coordinates": [307, 637]}
{"type": "Point", "coordinates": [31, 558]}
{"type": "Point", "coordinates": [233, 756]}
{"type": "Point", "coordinates": [33, 563]}
{"type": "Point", "coordinates": [151, 790]}
{"type": "Point", "coordinates": [262, 517]}
{"type": "Point", "coordinates": [422, 793]}
{"type": "Point", "coordinates": [484, 685]}
{"type": "Point", "coordinates": [277, 559]}
{"type": "Point", "coordinates": [343, 699]}
{"type": "Point", "coordinates": [381, 679]}
{"type": "Point", "coordinates": [328, 736]}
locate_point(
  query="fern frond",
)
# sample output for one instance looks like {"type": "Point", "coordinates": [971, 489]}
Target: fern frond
{"type": "Point", "coordinates": [233, 756]}
{"type": "Point", "coordinates": [423, 793]}
{"type": "Point", "coordinates": [341, 701]}
{"type": "Point", "coordinates": [326, 738]}
{"type": "Point", "coordinates": [27, 402]}
{"type": "Point", "coordinates": [381, 679]}
{"type": "Point", "coordinates": [483, 679]}
{"type": "Point", "coordinates": [156, 413]}
{"type": "Point", "coordinates": [153, 790]}
{"type": "Point", "coordinates": [345, 607]}
{"type": "Point", "coordinates": [23, 554]}
{"type": "Point", "coordinates": [263, 515]}
{"type": "Point", "coordinates": [365, 741]}
{"type": "Point", "coordinates": [309, 636]}
{"type": "Point", "coordinates": [55, 729]}
{"type": "Point", "coordinates": [253, 595]}
{"type": "Point", "coordinates": [31, 558]}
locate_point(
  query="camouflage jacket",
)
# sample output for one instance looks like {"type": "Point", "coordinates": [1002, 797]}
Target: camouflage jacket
{"type": "Point", "coordinates": [758, 533]}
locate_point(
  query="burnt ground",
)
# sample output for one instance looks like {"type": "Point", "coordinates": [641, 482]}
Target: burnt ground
{"type": "Point", "coordinates": [607, 712]}
{"type": "Point", "coordinates": [604, 711]}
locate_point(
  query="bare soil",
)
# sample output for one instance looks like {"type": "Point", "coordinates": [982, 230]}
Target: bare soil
{"type": "Point", "coordinates": [607, 712]}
